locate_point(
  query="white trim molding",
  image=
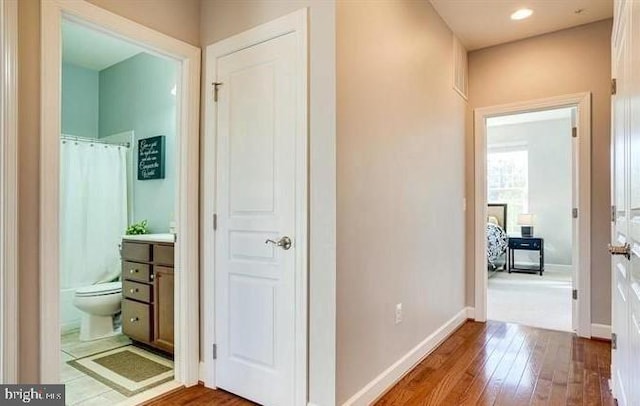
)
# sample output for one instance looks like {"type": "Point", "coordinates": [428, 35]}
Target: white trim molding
{"type": "Point", "coordinates": [601, 331]}
{"type": "Point", "coordinates": [9, 191]}
{"type": "Point", "coordinates": [389, 377]}
{"type": "Point", "coordinates": [186, 315]}
{"type": "Point", "coordinates": [294, 23]}
{"type": "Point", "coordinates": [471, 313]}
{"type": "Point", "coordinates": [582, 247]}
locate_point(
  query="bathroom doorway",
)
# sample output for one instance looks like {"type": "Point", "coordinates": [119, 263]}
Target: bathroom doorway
{"type": "Point", "coordinates": [117, 229]}
{"type": "Point", "coordinates": [117, 154]}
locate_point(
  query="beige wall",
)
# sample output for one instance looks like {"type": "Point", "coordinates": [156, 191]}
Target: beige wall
{"type": "Point", "coordinates": [223, 18]}
{"type": "Point", "coordinates": [178, 19]}
{"type": "Point", "coordinates": [568, 61]}
{"type": "Point", "coordinates": [400, 184]}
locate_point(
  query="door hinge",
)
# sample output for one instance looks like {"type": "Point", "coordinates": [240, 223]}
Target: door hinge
{"type": "Point", "coordinates": [215, 221]}
{"type": "Point", "coordinates": [574, 132]}
{"type": "Point", "coordinates": [614, 341]}
{"type": "Point", "coordinates": [215, 351]}
{"type": "Point", "coordinates": [574, 294]}
{"type": "Point", "coordinates": [613, 214]}
{"type": "Point", "coordinates": [574, 212]}
{"type": "Point", "coordinates": [216, 89]}
{"type": "Point", "coordinates": [614, 86]}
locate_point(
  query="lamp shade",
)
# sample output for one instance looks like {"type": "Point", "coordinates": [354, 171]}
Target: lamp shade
{"type": "Point", "coordinates": [525, 219]}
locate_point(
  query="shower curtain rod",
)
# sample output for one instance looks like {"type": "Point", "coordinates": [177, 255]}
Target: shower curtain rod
{"type": "Point", "coordinates": [93, 140]}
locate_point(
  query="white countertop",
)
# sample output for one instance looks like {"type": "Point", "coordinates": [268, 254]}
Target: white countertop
{"type": "Point", "coordinates": [151, 237]}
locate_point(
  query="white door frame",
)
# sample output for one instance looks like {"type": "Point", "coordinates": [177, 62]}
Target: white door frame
{"type": "Point", "coordinates": [295, 22]}
{"type": "Point", "coordinates": [186, 288]}
{"type": "Point", "coordinates": [9, 192]}
{"type": "Point", "coordinates": [582, 101]}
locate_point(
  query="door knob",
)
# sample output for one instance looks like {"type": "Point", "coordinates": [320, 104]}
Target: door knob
{"type": "Point", "coordinates": [621, 250]}
{"type": "Point", "coordinates": [284, 242]}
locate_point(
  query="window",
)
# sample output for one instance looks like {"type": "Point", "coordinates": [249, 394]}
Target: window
{"type": "Point", "coordinates": [508, 181]}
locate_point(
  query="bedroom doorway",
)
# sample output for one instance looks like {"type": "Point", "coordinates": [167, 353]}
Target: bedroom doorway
{"type": "Point", "coordinates": [532, 214]}
{"type": "Point", "coordinates": [529, 232]}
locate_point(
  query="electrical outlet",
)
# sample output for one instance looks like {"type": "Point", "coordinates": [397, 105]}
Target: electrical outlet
{"type": "Point", "coordinates": [398, 313]}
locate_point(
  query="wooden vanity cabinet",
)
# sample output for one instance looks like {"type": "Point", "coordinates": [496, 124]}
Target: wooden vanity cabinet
{"type": "Point", "coordinates": [147, 291]}
{"type": "Point", "coordinates": [163, 317]}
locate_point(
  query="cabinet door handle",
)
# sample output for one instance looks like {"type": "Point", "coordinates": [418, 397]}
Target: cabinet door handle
{"type": "Point", "coordinates": [133, 319]}
{"type": "Point", "coordinates": [134, 290]}
{"type": "Point", "coordinates": [135, 270]}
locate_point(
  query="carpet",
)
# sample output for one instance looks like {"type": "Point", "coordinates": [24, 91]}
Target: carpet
{"type": "Point", "coordinates": [129, 370]}
{"type": "Point", "coordinates": [532, 300]}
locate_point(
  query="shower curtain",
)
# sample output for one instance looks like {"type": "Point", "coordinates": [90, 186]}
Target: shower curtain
{"type": "Point", "coordinates": [93, 212]}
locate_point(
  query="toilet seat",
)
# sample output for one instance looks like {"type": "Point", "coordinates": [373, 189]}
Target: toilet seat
{"type": "Point", "coordinates": [100, 289]}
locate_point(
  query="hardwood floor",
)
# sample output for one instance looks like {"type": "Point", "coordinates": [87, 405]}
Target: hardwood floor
{"type": "Point", "coordinates": [199, 395]}
{"type": "Point", "coordinates": [498, 363]}
{"type": "Point", "coordinates": [489, 363]}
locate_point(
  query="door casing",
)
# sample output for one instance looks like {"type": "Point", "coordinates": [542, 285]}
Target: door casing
{"type": "Point", "coordinates": [582, 258]}
{"type": "Point", "coordinates": [296, 23]}
{"type": "Point", "coordinates": [187, 160]}
{"type": "Point", "coordinates": [9, 192]}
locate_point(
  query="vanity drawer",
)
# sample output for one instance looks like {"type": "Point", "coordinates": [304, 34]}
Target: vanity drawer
{"type": "Point", "coordinates": [134, 251]}
{"type": "Point", "coordinates": [136, 320]}
{"type": "Point", "coordinates": [136, 272]}
{"type": "Point", "coordinates": [163, 254]}
{"type": "Point", "coordinates": [137, 291]}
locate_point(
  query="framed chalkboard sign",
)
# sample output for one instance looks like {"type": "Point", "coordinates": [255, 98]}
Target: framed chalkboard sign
{"type": "Point", "coordinates": [151, 158]}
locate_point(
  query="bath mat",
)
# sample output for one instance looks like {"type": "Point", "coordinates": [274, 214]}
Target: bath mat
{"type": "Point", "coordinates": [129, 370]}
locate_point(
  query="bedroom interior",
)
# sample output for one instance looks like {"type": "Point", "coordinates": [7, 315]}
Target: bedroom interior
{"type": "Point", "coordinates": [529, 218]}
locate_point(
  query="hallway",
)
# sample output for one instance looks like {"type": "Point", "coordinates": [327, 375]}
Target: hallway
{"type": "Point", "coordinates": [484, 364]}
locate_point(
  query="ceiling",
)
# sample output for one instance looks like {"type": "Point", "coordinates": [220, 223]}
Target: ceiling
{"type": "Point", "coordinates": [542, 115]}
{"type": "Point", "coordinates": [483, 23]}
{"type": "Point", "coordinates": [93, 49]}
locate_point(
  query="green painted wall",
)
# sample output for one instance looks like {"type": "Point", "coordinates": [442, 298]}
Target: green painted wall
{"type": "Point", "coordinates": [79, 101]}
{"type": "Point", "coordinates": [136, 94]}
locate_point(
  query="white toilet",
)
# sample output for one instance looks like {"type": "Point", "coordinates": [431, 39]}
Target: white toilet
{"type": "Point", "coordinates": [99, 302]}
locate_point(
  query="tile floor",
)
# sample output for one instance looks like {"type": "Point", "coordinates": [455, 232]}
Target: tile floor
{"type": "Point", "coordinates": [80, 388]}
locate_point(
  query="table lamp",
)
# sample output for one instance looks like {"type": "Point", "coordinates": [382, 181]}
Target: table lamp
{"type": "Point", "coordinates": [525, 221]}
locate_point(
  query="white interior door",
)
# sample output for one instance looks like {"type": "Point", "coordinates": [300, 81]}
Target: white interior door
{"type": "Point", "coordinates": [631, 92]}
{"type": "Point", "coordinates": [620, 267]}
{"type": "Point", "coordinates": [625, 238]}
{"type": "Point", "coordinates": [256, 189]}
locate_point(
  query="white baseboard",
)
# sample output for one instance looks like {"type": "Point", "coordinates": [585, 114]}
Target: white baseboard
{"type": "Point", "coordinates": [557, 267]}
{"type": "Point", "coordinates": [380, 384]}
{"type": "Point", "coordinates": [471, 312]}
{"type": "Point", "coordinates": [601, 331]}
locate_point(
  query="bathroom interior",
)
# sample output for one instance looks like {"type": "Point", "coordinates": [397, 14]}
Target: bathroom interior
{"type": "Point", "coordinates": [117, 196]}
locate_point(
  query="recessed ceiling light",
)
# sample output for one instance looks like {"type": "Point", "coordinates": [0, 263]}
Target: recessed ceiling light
{"type": "Point", "coordinates": [522, 14]}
